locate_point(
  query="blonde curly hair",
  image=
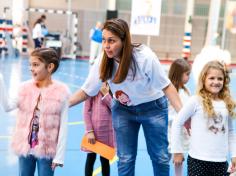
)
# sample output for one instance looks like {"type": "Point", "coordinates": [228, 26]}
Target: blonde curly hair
{"type": "Point", "coordinates": [224, 94]}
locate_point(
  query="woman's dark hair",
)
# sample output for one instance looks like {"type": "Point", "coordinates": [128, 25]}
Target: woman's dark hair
{"type": "Point", "coordinates": [119, 28]}
{"type": "Point", "coordinates": [39, 20]}
{"type": "Point", "coordinates": [43, 17]}
{"type": "Point", "coordinates": [47, 56]}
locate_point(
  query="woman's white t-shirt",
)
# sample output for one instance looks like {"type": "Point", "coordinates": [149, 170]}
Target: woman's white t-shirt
{"type": "Point", "coordinates": [37, 31]}
{"type": "Point", "coordinates": [147, 85]}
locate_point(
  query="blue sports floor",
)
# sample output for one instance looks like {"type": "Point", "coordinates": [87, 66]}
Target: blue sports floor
{"type": "Point", "coordinates": [73, 73]}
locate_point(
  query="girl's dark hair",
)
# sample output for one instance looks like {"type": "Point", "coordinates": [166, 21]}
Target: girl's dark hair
{"type": "Point", "coordinates": [119, 28]}
{"type": "Point", "coordinates": [177, 69]}
{"type": "Point", "coordinates": [47, 56]}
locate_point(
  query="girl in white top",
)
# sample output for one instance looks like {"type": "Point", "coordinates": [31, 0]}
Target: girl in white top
{"type": "Point", "coordinates": [37, 33]}
{"type": "Point", "coordinates": [212, 133]}
{"type": "Point", "coordinates": [179, 75]}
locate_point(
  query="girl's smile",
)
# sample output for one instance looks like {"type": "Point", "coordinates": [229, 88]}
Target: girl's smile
{"type": "Point", "coordinates": [214, 81]}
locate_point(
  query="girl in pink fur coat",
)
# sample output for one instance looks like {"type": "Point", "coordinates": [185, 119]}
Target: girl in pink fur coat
{"type": "Point", "coordinates": [98, 124]}
{"type": "Point", "coordinates": [40, 135]}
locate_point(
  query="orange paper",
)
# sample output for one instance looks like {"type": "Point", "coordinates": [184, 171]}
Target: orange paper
{"type": "Point", "coordinates": [99, 148]}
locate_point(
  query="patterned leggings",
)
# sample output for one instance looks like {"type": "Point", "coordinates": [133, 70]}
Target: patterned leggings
{"type": "Point", "coordinates": [206, 168]}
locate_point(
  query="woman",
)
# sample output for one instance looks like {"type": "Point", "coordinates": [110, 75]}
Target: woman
{"type": "Point", "coordinates": [37, 34]}
{"type": "Point", "coordinates": [135, 71]}
{"type": "Point", "coordinates": [96, 42]}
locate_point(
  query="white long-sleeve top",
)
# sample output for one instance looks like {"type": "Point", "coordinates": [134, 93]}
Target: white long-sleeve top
{"type": "Point", "coordinates": [8, 105]}
{"type": "Point", "coordinates": [211, 138]}
{"type": "Point", "coordinates": [172, 114]}
{"type": "Point", "coordinates": [12, 104]}
{"type": "Point", "coordinates": [184, 96]}
{"type": "Point", "coordinates": [37, 31]}
{"type": "Point", "coordinates": [61, 145]}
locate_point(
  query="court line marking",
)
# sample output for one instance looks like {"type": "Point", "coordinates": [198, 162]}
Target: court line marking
{"type": "Point", "coordinates": [5, 137]}
{"type": "Point", "coordinates": [99, 169]}
{"type": "Point", "coordinates": [76, 123]}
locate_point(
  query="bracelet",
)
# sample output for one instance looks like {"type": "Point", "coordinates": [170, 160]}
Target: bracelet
{"type": "Point", "coordinates": [89, 131]}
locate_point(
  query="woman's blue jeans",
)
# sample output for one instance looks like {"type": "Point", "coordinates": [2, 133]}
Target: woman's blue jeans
{"type": "Point", "coordinates": [27, 166]}
{"type": "Point", "coordinates": [153, 116]}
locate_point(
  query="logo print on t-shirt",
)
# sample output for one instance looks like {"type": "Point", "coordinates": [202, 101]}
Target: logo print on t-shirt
{"type": "Point", "coordinates": [216, 124]}
{"type": "Point", "coordinates": [122, 97]}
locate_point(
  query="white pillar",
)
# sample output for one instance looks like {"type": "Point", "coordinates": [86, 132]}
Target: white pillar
{"type": "Point", "coordinates": [111, 5]}
{"type": "Point", "coordinates": [188, 16]}
{"type": "Point", "coordinates": [224, 26]}
{"type": "Point", "coordinates": [19, 15]}
{"type": "Point", "coordinates": [213, 21]}
{"type": "Point", "coordinates": [188, 29]}
{"type": "Point", "coordinates": [111, 9]}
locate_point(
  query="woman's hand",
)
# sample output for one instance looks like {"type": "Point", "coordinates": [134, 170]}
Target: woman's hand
{"type": "Point", "coordinates": [91, 137]}
{"type": "Point", "coordinates": [54, 165]}
{"type": "Point", "coordinates": [78, 97]}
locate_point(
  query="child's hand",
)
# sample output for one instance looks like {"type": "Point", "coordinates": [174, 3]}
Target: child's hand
{"type": "Point", "coordinates": [233, 165]}
{"type": "Point", "coordinates": [54, 165]}
{"type": "Point", "coordinates": [187, 126]}
{"type": "Point", "coordinates": [178, 158]}
{"type": "Point", "coordinates": [104, 89]}
{"type": "Point", "coordinates": [91, 137]}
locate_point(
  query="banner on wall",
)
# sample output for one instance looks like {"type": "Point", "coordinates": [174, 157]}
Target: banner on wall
{"type": "Point", "coordinates": [145, 17]}
{"type": "Point", "coordinates": [231, 16]}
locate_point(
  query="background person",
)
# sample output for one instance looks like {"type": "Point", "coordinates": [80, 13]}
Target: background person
{"type": "Point", "coordinates": [37, 33]}
{"type": "Point", "coordinates": [179, 76]}
{"type": "Point", "coordinates": [96, 42]}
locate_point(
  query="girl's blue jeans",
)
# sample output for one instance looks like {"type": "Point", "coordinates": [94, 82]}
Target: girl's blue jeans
{"type": "Point", "coordinates": [27, 166]}
{"type": "Point", "coordinates": [153, 116]}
